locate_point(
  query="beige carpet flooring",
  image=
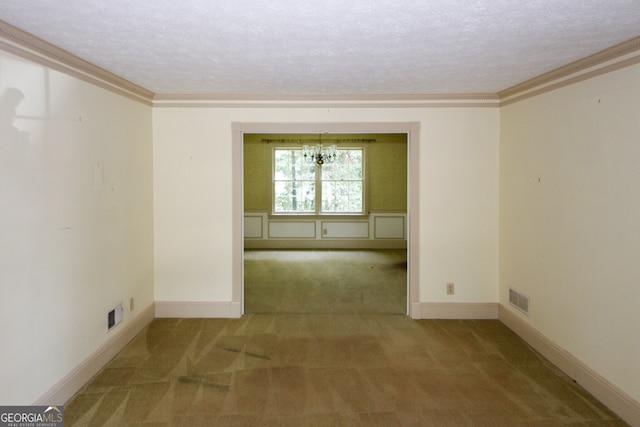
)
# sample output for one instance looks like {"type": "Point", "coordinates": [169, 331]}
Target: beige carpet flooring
{"type": "Point", "coordinates": [325, 281]}
{"type": "Point", "coordinates": [332, 369]}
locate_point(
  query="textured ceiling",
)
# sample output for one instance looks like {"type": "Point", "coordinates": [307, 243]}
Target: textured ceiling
{"type": "Point", "coordinates": [327, 46]}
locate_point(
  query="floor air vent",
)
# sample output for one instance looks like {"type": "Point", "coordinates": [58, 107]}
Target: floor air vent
{"type": "Point", "coordinates": [519, 301]}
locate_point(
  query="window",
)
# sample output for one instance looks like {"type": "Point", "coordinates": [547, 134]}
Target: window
{"type": "Point", "coordinates": [301, 187]}
{"type": "Point", "coordinates": [342, 187]}
{"type": "Point", "coordinates": [294, 182]}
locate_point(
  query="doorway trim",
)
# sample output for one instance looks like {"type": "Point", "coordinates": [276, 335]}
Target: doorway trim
{"type": "Point", "coordinates": [412, 129]}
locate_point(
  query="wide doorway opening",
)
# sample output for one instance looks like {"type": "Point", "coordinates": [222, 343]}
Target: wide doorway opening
{"type": "Point", "coordinates": [356, 261]}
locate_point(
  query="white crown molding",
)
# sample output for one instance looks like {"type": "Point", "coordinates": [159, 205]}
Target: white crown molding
{"type": "Point", "coordinates": [614, 58]}
{"type": "Point", "coordinates": [326, 100]}
{"type": "Point", "coordinates": [28, 46]}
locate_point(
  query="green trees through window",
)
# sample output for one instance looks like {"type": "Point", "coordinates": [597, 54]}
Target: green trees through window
{"type": "Point", "coordinates": [301, 187]}
{"type": "Point", "coordinates": [294, 182]}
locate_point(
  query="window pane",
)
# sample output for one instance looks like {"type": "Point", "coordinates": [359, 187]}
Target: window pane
{"type": "Point", "coordinates": [348, 165]}
{"type": "Point", "coordinates": [355, 196]}
{"type": "Point", "coordinates": [342, 196]}
{"type": "Point", "coordinates": [294, 196]}
{"type": "Point", "coordinates": [342, 183]}
{"type": "Point", "coordinates": [294, 182]}
{"type": "Point", "coordinates": [289, 165]}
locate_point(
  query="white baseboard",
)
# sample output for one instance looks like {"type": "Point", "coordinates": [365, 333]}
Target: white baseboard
{"type": "Point", "coordinates": [453, 310]}
{"type": "Point", "coordinates": [198, 309]}
{"type": "Point", "coordinates": [602, 389]}
{"type": "Point", "coordinates": [71, 383]}
{"type": "Point", "coordinates": [416, 311]}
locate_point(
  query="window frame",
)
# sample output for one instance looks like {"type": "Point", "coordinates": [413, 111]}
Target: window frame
{"type": "Point", "coordinates": [318, 184]}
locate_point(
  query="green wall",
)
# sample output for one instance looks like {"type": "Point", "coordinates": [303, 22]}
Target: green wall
{"type": "Point", "coordinates": [386, 168]}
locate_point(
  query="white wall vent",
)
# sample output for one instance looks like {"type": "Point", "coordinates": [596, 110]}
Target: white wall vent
{"type": "Point", "coordinates": [114, 317]}
{"type": "Point", "coordinates": [519, 301]}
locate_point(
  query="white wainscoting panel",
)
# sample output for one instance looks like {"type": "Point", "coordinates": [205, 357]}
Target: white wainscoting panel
{"type": "Point", "coordinates": [253, 226]}
{"type": "Point", "coordinates": [292, 229]}
{"type": "Point", "coordinates": [377, 230]}
{"type": "Point", "coordinates": [345, 229]}
{"type": "Point", "coordinates": [389, 227]}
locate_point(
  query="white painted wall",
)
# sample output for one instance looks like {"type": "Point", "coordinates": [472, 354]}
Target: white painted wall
{"type": "Point", "coordinates": [193, 200]}
{"type": "Point", "coordinates": [459, 205]}
{"type": "Point", "coordinates": [76, 222]}
{"type": "Point", "coordinates": [570, 219]}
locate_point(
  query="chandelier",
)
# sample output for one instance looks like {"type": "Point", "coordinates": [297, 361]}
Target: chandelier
{"type": "Point", "coordinates": [318, 154]}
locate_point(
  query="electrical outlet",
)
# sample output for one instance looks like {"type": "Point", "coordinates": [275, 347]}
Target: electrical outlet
{"type": "Point", "coordinates": [450, 289]}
